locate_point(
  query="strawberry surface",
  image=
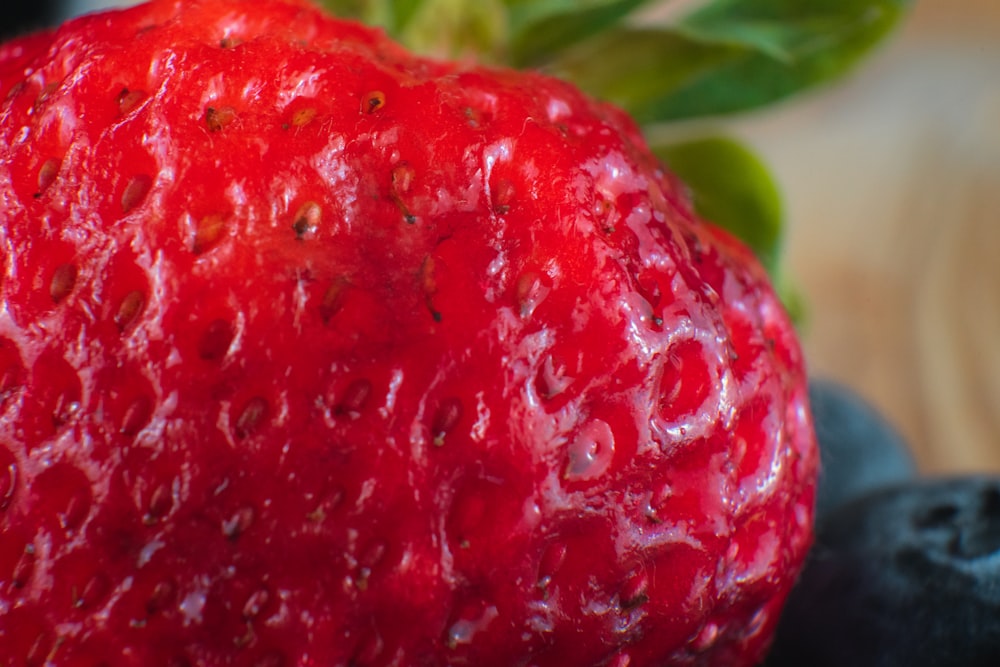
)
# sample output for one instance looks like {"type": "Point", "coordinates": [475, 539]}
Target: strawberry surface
{"type": "Point", "coordinates": [314, 352]}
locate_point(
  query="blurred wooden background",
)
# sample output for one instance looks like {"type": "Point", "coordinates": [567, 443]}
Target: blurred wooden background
{"type": "Point", "coordinates": [892, 184]}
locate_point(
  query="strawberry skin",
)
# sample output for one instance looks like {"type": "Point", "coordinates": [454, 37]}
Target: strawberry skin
{"type": "Point", "coordinates": [316, 353]}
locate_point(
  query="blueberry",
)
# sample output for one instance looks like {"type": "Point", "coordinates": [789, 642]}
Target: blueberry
{"type": "Point", "coordinates": [859, 450]}
{"type": "Point", "coordinates": [907, 575]}
{"type": "Point", "coordinates": [22, 17]}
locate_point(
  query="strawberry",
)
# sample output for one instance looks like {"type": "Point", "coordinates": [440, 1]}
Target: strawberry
{"type": "Point", "coordinates": [316, 352]}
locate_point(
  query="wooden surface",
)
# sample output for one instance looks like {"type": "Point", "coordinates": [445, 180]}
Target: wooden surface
{"type": "Point", "coordinates": [892, 185]}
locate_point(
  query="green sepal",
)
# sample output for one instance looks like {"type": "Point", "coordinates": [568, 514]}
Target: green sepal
{"type": "Point", "coordinates": [442, 28]}
{"type": "Point", "coordinates": [540, 29]}
{"type": "Point", "coordinates": [731, 187]}
{"type": "Point", "coordinates": [792, 299]}
{"type": "Point", "coordinates": [728, 56]}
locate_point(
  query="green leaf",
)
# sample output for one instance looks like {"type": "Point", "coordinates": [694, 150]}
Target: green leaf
{"type": "Point", "coordinates": [732, 188]}
{"type": "Point", "coordinates": [403, 12]}
{"type": "Point", "coordinates": [728, 56]}
{"type": "Point", "coordinates": [641, 69]}
{"type": "Point", "coordinates": [443, 28]}
{"type": "Point", "coordinates": [541, 28]}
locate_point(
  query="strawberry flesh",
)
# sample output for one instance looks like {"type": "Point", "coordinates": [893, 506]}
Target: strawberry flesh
{"type": "Point", "coordinates": [314, 352]}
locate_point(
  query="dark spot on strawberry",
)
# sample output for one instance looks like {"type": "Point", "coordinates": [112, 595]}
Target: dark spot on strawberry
{"type": "Point", "coordinates": [136, 416]}
{"type": "Point", "coordinates": [215, 341]}
{"type": "Point", "coordinates": [135, 191]}
{"type": "Point", "coordinates": [635, 591]}
{"type": "Point", "coordinates": [252, 416]}
{"type": "Point", "coordinates": [447, 416]}
{"type": "Point", "coordinates": [96, 588]}
{"type": "Point", "coordinates": [355, 397]}
{"type": "Point", "coordinates": [8, 478]}
{"type": "Point", "coordinates": [129, 309]}
{"type": "Point", "coordinates": [47, 174]}
{"type": "Point", "coordinates": [207, 234]}
{"type": "Point", "coordinates": [372, 101]}
{"type": "Point", "coordinates": [307, 219]}
{"type": "Point", "coordinates": [229, 42]}
{"type": "Point", "coordinates": [128, 100]}
{"type": "Point", "coordinates": [63, 281]}
{"type": "Point", "coordinates": [218, 118]}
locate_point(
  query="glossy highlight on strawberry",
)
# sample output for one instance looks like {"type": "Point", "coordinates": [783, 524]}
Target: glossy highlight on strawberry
{"type": "Point", "coordinates": [315, 352]}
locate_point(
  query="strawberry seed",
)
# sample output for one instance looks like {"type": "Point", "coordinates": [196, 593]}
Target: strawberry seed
{"type": "Point", "coordinates": [251, 417]}
{"type": "Point", "coordinates": [135, 192]}
{"type": "Point", "coordinates": [63, 281]}
{"type": "Point", "coordinates": [373, 101]}
{"type": "Point", "coordinates": [218, 118]}
{"type": "Point", "coordinates": [129, 310]}
{"type": "Point", "coordinates": [47, 174]}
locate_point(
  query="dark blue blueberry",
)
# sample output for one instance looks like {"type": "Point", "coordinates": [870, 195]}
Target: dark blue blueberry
{"type": "Point", "coordinates": [907, 575]}
{"type": "Point", "coordinates": [859, 450]}
{"type": "Point", "coordinates": [20, 16]}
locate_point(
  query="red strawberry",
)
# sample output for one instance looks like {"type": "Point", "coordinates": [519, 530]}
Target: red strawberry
{"type": "Point", "coordinates": [314, 352]}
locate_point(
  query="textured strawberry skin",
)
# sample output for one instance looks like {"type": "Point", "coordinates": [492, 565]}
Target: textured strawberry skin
{"type": "Point", "coordinates": [316, 353]}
